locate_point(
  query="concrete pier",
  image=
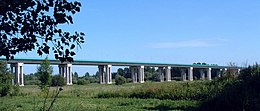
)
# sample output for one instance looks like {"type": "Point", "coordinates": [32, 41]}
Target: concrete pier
{"type": "Point", "coordinates": [190, 73]}
{"type": "Point", "coordinates": [209, 73]}
{"type": "Point", "coordinates": [183, 74]}
{"type": "Point", "coordinates": [134, 71]}
{"type": "Point", "coordinates": [17, 70]}
{"type": "Point", "coordinates": [168, 73]}
{"type": "Point", "coordinates": [65, 70]}
{"type": "Point", "coordinates": [101, 74]}
{"type": "Point", "coordinates": [161, 73]}
{"type": "Point", "coordinates": [202, 74]}
{"type": "Point", "coordinates": [141, 74]}
{"type": "Point", "coordinates": [108, 74]}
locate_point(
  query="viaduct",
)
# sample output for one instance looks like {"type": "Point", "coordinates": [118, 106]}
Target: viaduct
{"type": "Point", "coordinates": [136, 69]}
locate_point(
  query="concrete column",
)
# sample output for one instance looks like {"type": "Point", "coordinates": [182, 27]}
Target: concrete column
{"type": "Point", "coordinates": [141, 74]}
{"type": "Point", "coordinates": [168, 73]}
{"type": "Point", "coordinates": [17, 76]}
{"type": "Point", "coordinates": [225, 72]}
{"type": "Point", "coordinates": [20, 65]}
{"type": "Point", "coordinates": [69, 74]}
{"type": "Point", "coordinates": [62, 71]}
{"type": "Point", "coordinates": [65, 71]}
{"type": "Point", "coordinates": [161, 74]}
{"type": "Point", "coordinates": [71, 77]}
{"type": "Point", "coordinates": [59, 69]}
{"type": "Point", "coordinates": [238, 71]}
{"type": "Point", "coordinates": [108, 74]}
{"type": "Point", "coordinates": [133, 74]}
{"type": "Point", "coordinates": [17, 70]}
{"type": "Point", "coordinates": [12, 66]}
{"type": "Point", "coordinates": [219, 72]}
{"type": "Point", "coordinates": [202, 74]}
{"type": "Point", "coordinates": [136, 74]}
{"type": "Point", "coordinates": [183, 74]}
{"type": "Point", "coordinates": [101, 74]}
{"type": "Point", "coordinates": [209, 73]}
{"type": "Point", "coordinates": [190, 73]}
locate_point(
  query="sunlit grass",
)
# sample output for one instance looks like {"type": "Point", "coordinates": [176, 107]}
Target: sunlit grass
{"type": "Point", "coordinates": [84, 97]}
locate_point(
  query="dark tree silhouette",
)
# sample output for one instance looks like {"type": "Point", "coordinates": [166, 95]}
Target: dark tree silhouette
{"type": "Point", "coordinates": [26, 25]}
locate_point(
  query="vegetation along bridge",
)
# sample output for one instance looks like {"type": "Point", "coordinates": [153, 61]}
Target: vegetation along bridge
{"type": "Point", "coordinates": [136, 69]}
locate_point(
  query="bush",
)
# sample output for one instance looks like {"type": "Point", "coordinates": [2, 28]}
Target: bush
{"type": "Point", "coordinates": [239, 94]}
{"type": "Point", "coordinates": [15, 90]}
{"type": "Point", "coordinates": [5, 80]}
{"type": "Point", "coordinates": [83, 82]}
{"type": "Point", "coordinates": [57, 80]}
{"type": "Point", "coordinates": [32, 82]}
{"type": "Point", "coordinates": [120, 80]}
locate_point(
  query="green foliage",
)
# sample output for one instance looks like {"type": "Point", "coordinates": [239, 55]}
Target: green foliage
{"type": "Point", "coordinates": [120, 80]}
{"type": "Point", "coordinates": [57, 80]}
{"type": "Point", "coordinates": [240, 93]}
{"type": "Point", "coordinates": [82, 82]}
{"type": "Point", "coordinates": [150, 74]}
{"type": "Point", "coordinates": [32, 82]}
{"type": "Point", "coordinates": [45, 71]}
{"type": "Point", "coordinates": [197, 90]}
{"type": "Point", "coordinates": [15, 90]}
{"type": "Point", "coordinates": [31, 79]}
{"type": "Point", "coordinates": [5, 80]}
{"type": "Point", "coordinates": [34, 24]}
{"type": "Point", "coordinates": [120, 71]}
{"type": "Point", "coordinates": [72, 103]}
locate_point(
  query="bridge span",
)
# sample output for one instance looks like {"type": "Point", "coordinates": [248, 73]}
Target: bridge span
{"type": "Point", "coordinates": [136, 69]}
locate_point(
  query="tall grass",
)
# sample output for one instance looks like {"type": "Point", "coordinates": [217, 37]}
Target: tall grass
{"type": "Point", "coordinates": [241, 94]}
{"type": "Point", "coordinates": [196, 90]}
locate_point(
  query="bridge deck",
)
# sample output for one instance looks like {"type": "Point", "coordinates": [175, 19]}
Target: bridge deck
{"type": "Point", "coordinates": [113, 63]}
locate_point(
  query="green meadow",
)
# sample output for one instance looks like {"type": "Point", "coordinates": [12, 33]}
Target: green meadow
{"type": "Point", "coordinates": [99, 97]}
{"type": "Point", "coordinates": [228, 93]}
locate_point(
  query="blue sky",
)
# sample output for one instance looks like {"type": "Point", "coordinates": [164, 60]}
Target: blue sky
{"type": "Point", "coordinates": [167, 31]}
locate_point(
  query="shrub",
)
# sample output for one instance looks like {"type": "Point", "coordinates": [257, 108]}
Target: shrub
{"type": "Point", "coordinates": [32, 82]}
{"type": "Point", "coordinates": [45, 70]}
{"type": "Point", "coordinates": [57, 80]}
{"type": "Point", "coordinates": [238, 94]}
{"type": "Point", "coordinates": [83, 82]}
{"type": "Point", "coordinates": [120, 80]}
{"type": "Point", "coordinates": [15, 90]}
{"type": "Point", "coordinates": [5, 80]}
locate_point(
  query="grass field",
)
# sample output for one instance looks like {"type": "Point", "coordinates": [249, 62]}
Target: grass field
{"type": "Point", "coordinates": [85, 97]}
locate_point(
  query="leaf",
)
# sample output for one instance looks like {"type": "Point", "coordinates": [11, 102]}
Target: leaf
{"type": "Point", "coordinates": [39, 52]}
{"type": "Point", "coordinates": [77, 9]}
{"type": "Point", "coordinates": [81, 33]}
{"type": "Point", "coordinates": [72, 53]}
{"type": "Point", "coordinates": [56, 56]}
{"type": "Point", "coordinates": [70, 19]}
{"type": "Point", "coordinates": [72, 46]}
{"type": "Point", "coordinates": [67, 52]}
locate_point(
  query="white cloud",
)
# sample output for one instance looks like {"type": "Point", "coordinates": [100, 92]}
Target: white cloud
{"type": "Point", "coordinates": [189, 44]}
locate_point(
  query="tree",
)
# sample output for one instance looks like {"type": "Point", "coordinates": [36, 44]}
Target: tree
{"type": "Point", "coordinates": [120, 71]}
{"type": "Point", "coordinates": [57, 80]}
{"type": "Point", "coordinates": [120, 80]}
{"type": "Point", "coordinates": [45, 71]}
{"type": "Point", "coordinates": [151, 74]}
{"type": "Point", "coordinates": [5, 79]}
{"type": "Point", "coordinates": [127, 73]}
{"type": "Point", "coordinates": [76, 75]}
{"type": "Point", "coordinates": [26, 25]}
{"type": "Point", "coordinates": [75, 78]}
{"type": "Point", "coordinates": [87, 74]}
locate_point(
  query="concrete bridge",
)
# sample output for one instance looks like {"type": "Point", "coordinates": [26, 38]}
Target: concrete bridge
{"type": "Point", "coordinates": [136, 69]}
